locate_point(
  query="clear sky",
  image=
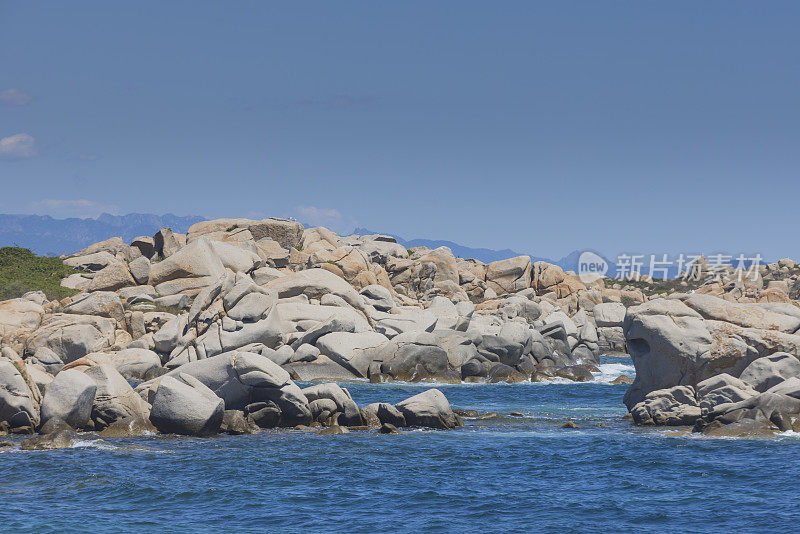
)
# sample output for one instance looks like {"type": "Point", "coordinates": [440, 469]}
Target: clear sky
{"type": "Point", "coordinates": [541, 127]}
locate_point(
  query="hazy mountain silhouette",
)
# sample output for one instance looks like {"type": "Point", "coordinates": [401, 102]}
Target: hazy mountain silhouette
{"type": "Point", "coordinates": [45, 235]}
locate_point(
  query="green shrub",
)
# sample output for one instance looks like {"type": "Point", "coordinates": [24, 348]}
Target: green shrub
{"type": "Point", "coordinates": [21, 271]}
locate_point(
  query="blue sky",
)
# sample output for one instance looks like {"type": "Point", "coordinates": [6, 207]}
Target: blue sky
{"type": "Point", "coordinates": [541, 127]}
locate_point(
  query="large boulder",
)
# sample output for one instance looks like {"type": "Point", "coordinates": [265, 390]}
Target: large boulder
{"type": "Point", "coordinates": [113, 245]}
{"type": "Point", "coordinates": [143, 245]}
{"type": "Point", "coordinates": [770, 371]}
{"type": "Point", "coordinates": [235, 258]}
{"type": "Point", "coordinates": [414, 357]}
{"type": "Point", "coordinates": [242, 378]}
{"type": "Point", "coordinates": [70, 396]}
{"type": "Point", "coordinates": [196, 260]}
{"type": "Point", "coordinates": [252, 307]}
{"type": "Point", "coordinates": [429, 409]}
{"type": "Point", "coordinates": [73, 336]}
{"type": "Point", "coordinates": [102, 303]}
{"type": "Point", "coordinates": [380, 413]}
{"type": "Point", "coordinates": [378, 297]}
{"type": "Point", "coordinates": [287, 233]}
{"type": "Point", "coordinates": [166, 243]}
{"type": "Point", "coordinates": [93, 262]}
{"type": "Point", "coordinates": [510, 275]}
{"type": "Point", "coordinates": [322, 368]}
{"type": "Point", "coordinates": [669, 344]}
{"type": "Point", "coordinates": [167, 337]}
{"type": "Point", "coordinates": [114, 399]}
{"type": "Point", "coordinates": [18, 405]}
{"type": "Point", "coordinates": [445, 262]}
{"type": "Point", "coordinates": [140, 270]}
{"type": "Point", "coordinates": [675, 406]}
{"type": "Point", "coordinates": [136, 364]}
{"type": "Point", "coordinates": [609, 314]}
{"type": "Point", "coordinates": [502, 348]}
{"type": "Point", "coordinates": [775, 410]}
{"type": "Point", "coordinates": [344, 405]}
{"type": "Point", "coordinates": [19, 315]}
{"type": "Point", "coordinates": [184, 405]}
{"type": "Point", "coordinates": [722, 389]}
{"type": "Point", "coordinates": [111, 278]}
{"type": "Point", "coordinates": [407, 321]}
{"type": "Point", "coordinates": [354, 351]}
{"type": "Point", "coordinates": [746, 315]}
{"type": "Point", "coordinates": [314, 284]}
{"type": "Point", "coordinates": [545, 276]}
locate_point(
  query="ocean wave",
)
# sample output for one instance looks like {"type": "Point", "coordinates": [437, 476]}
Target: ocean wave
{"type": "Point", "coordinates": [93, 443]}
{"type": "Point", "coordinates": [610, 371]}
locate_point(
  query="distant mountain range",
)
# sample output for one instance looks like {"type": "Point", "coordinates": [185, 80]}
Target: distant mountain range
{"type": "Point", "coordinates": [52, 237]}
{"type": "Point", "coordinates": [487, 255]}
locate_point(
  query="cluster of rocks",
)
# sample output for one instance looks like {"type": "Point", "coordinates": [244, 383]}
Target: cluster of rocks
{"type": "Point", "coordinates": [318, 305]}
{"type": "Point", "coordinates": [770, 282]}
{"type": "Point", "coordinates": [227, 317]}
{"type": "Point", "coordinates": [726, 368]}
{"type": "Point", "coordinates": [236, 393]}
{"type": "Point", "coordinates": [213, 328]}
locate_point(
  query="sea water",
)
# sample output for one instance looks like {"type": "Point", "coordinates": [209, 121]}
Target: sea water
{"type": "Point", "coordinates": [511, 473]}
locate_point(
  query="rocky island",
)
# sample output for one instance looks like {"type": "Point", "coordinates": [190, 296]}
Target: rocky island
{"type": "Point", "coordinates": [211, 330]}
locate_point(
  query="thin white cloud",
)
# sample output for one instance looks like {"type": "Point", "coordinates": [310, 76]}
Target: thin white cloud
{"type": "Point", "coordinates": [88, 157]}
{"type": "Point", "coordinates": [63, 208]}
{"type": "Point", "coordinates": [18, 146]}
{"type": "Point", "coordinates": [15, 97]}
{"type": "Point", "coordinates": [327, 217]}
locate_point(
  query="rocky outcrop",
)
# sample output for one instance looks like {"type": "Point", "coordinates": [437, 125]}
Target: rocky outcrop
{"type": "Point", "coordinates": [673, 344]}
{"type": "Point", "coordinates": [429, 409]}
{"type": "Point", "coordinates": [246, 307]}
{"type": "Point", "coordinates": [675, 406]}
{"type": "Point", "coordinates": [184, 405]}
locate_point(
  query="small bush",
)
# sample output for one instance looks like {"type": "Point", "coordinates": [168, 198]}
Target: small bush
{"type": "Point", "coordinates": [21, 271]}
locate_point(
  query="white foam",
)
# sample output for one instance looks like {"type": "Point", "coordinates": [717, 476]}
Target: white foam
{"type": "Point", "coordinates": [610, 371]}
{"type": "Point", "coordinates": [93, 443]}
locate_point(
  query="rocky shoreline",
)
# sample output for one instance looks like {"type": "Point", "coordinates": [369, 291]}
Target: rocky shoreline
{"type": "Point", "coordinates": [210, 331]}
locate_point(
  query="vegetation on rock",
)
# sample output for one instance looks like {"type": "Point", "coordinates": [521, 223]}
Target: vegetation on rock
{"type": "Point", "coordinates": [21, 271]}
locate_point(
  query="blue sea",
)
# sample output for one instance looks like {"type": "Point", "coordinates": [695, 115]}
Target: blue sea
{"type": "Point", "coordinates": [507, 474]}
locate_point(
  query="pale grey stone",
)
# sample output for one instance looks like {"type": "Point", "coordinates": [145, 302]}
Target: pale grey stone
{"type": "Point", "coordinates": [429, 409]}
{"type": "Point", "coordinates": [70, 397]}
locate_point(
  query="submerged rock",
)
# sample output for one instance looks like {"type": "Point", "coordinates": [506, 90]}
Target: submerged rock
{"type": "Point", "coordinates": [234, 422]}
{"type": "Point", "coordinates": [389, 429]}
{"type": "Point", "coordinates": [333, 431]}
{"type": "Point", "coordinates": [129, 427]}
{"type": "Point", "coordinates": [429, 409]}
{"type": "Point", "coordinates": [61, 439]}
{"type": "Point", "coordinates": [746, 428]}
{"type": "Point", "coordinates": [54, 424]}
